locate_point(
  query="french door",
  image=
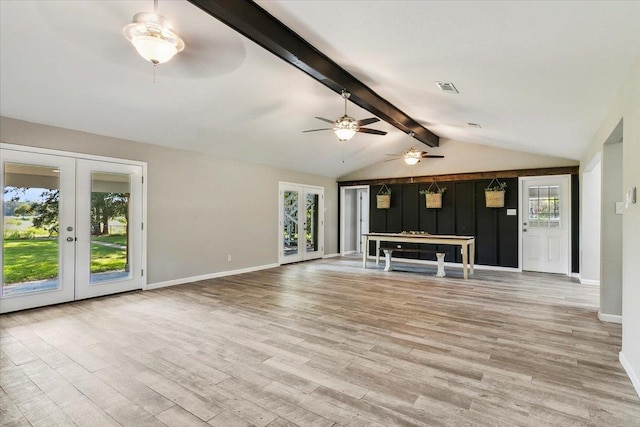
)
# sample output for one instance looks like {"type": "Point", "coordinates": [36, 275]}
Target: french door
{"type": "Point", "coordinates": [301, 222]}
{"type": "Point", "coordinates": [71, 229]}
{"type": "Point", "coordinates": [546, 224]}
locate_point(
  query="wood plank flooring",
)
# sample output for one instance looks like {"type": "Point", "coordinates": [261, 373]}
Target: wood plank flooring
{"type": "Point", "coordinates": [322, 343]}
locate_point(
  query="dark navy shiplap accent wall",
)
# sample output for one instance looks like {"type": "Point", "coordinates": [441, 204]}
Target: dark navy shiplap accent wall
{"type": "Point", "coordinates": [463, 212]}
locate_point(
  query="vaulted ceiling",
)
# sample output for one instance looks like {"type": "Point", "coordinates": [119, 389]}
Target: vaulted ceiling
{"type": "Point", "coordinates": [537, 76]}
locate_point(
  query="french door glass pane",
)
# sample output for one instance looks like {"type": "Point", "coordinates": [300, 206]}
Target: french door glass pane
{"type": "Point", "coordinates": [312, 222]}
{"type": "Point", "coordinates": [290, 223]}
{"type": "Point", "coordinates": [110, 197]}
{"type": "Point", "coordinates": [30, 228]}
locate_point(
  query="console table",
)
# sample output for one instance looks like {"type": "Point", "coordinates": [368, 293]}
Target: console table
{"type": "Point", "coordinates": [466, 243]}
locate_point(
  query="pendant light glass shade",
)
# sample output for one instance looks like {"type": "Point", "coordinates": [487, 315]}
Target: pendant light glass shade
{"type": "Point", "coordinates": [153, 38]}
{"type": "Point", "coordinates": [346, 128]}
{"type": "Point", "coordinates": [412, 157]}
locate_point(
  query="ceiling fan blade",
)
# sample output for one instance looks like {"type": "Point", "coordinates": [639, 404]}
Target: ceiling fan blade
{"type": "Point", "coordinates": [365, 122]}
{"type": "Point", "coordinates": [372, 131]}
{"type": "Point", "coordinates": [393, 158]}
{"type": "Point", "coordinates": [315, 130]}
{"type": "Point", "coordinates": [432, 156]}
{"type": "Point", "coordinates": [325, 120]}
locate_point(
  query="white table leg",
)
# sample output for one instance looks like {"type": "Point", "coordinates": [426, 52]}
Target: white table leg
{"type": "Point", "coordinates": [387, 259]}
{"type": "Point", "coordinates": [472, 255]}
{"type": "Point", "coordinates": [464, 261]}
{"type": "Point", "coordinates": [440, 256]}
{"type": "Point", "coordinates": [377, 252]}
{"type": "Point", "coordinates": [365, 251]}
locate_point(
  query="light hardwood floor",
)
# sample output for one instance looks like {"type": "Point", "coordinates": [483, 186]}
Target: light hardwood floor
{"type": "Point", "coordinates": [322, 343]}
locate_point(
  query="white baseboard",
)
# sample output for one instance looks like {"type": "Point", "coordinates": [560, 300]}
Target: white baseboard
{"type": "Point", "coordinates": [611, 318]}
{"type": "Point", "coordinates": [589, 282]}
{"type": "Point", "coordinates": [208, 276]}
{"type": "Point", "coordinates": [574, 275]}
{"type": "Point", "coordinates": [446, 264]}
{"type": "Point", "coordinates": [635, 380]}
{"type": "Point", "coordinates": [331, 255]}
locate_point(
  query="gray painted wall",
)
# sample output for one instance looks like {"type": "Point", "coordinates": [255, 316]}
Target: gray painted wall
{"type": "Point", "coordinates": [611, 231]}
{"type": "Point", "coordinates": [625, 106]}
{"type": "Point", "coordinates": [200, 208]}
{"type": "Point", "coordinates": [591, 204]}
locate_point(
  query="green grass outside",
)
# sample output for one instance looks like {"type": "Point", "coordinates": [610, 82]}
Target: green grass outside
{"type": "Point", "coordinates": [37, 259]}
{"type": "Point", "coordinates": [118, 239]}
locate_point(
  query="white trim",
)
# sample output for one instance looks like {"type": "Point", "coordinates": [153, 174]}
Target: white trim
{"type": "Point", "coordinates": [73, 154]}
{"type": "Point", "coordinates": [635, 380]}
{"type": "Point", "coordinates": [575, 275]}
{"type": "Point", "coordinates": [209, 276]}
{"type": "Point", "coordinates": [589, 282]}
{"type": "Point", "coordinates": [447, 264]}
{"type": "Point", "coordinates": [316, 187]}
{"type": "Point", "coordinates": [611, 318]}
{"type": "Point", "coordinates": [520, 221]}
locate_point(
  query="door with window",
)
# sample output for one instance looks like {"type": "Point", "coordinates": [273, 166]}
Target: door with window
{"type": "Point", "coordinates": [301, 222]}
{"type": "Point", "coordinates": [71, 229]}
{"type": "Point", "coordinates": [545, 224]}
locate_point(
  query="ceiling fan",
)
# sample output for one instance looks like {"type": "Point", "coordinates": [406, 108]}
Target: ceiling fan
{"type": "Point", "coordinates": [345, 127]}
{"type": "Point", "coordinates": [413, 156]}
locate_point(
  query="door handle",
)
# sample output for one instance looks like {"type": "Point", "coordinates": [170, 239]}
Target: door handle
{"type": "Point", "coordinates": [70, 239]}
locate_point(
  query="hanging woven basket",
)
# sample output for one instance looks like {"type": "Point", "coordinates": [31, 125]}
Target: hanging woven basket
{"type": "Point", "coordinates": [383, 198]}
{"type": "Point", "coordinates": [433, 198]}
{"type": "Point", "coordinates": [495, 198]}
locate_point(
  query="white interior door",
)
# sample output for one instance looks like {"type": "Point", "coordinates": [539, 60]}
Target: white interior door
{"type": "Point", "coordinates": [301, 222]}
{"type": "Point", "coordinates": [71, 229]}
{"type": "Point", "coordinates": [546, 224]}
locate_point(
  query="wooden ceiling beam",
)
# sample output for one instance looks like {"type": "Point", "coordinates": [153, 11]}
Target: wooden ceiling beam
{"type": "Point", "coordinates": [250, 20]}
{"type": "Point", "coordinates": [470, 176]}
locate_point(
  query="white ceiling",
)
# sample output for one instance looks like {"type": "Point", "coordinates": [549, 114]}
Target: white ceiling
{"type": "Point", "coordinates": [538, 76]}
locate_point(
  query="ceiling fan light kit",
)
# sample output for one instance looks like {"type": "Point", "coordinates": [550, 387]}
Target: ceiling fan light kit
{"type": "Point", "coordinates": [346, 127]}
{"type": "Point", "coordinates": [412, 157]}
{"type": "Point", "coordinates": [153, 37]}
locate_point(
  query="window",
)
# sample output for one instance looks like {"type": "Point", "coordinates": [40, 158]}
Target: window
{"type": "Point", "coordinates": [544, 206]}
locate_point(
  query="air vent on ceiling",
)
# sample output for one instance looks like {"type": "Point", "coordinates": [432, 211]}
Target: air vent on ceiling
{"type": "Point", "coordinates": [474, 125]}
{"type": "Point", "coordinates": [447, 87]}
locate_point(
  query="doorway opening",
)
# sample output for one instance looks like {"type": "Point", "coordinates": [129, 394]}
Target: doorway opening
{"type": "Point", "coordinates": [354, 218]}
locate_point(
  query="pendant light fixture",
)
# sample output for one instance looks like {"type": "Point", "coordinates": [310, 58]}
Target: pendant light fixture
{"type": "Point", "coordinates": [152, 36]}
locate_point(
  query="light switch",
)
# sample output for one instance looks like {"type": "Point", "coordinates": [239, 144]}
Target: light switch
{"type": "Point", "coordinates": [512, 212]}
{"type": "Point", "coordinates": [619, 208]}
